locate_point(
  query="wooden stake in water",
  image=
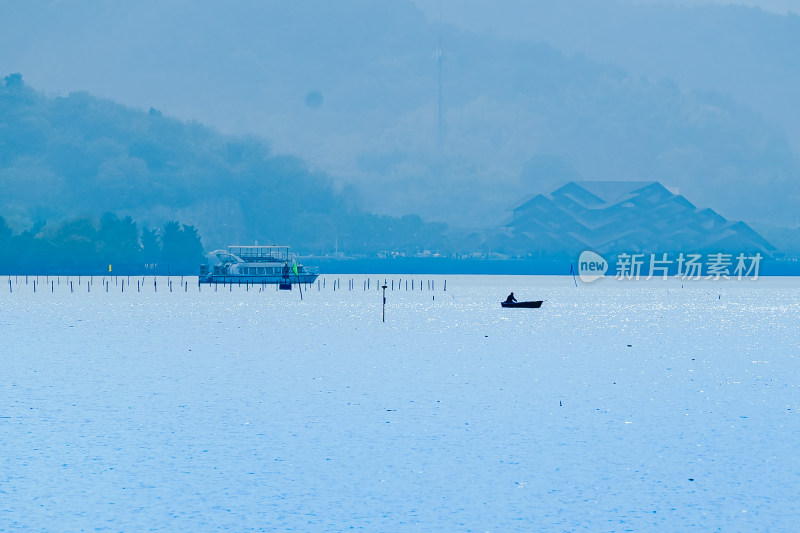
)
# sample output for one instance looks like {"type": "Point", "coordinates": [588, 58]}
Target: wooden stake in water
{"type": "Point", "coordinates": [384, 303]}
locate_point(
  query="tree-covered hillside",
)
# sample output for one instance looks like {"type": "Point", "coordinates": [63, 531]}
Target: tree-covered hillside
{"type": "Point", "coordinates": [91, 247]}
{"type": "Point", "coordinates": [65, 157]}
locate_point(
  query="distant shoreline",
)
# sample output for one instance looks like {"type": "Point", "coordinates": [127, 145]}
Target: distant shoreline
{"type": "Point", "coordinates": [400, 266]}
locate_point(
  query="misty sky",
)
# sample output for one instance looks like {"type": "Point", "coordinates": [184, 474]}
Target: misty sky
{"type": "Point", "coordinates": [783, 7]}
{"type": "Point", "coordinates": [534, 93]}
{"type": "Point", "coordinates": [776, 6]}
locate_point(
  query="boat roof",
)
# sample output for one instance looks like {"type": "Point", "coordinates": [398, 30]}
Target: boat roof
{"type": "Point", "coordinates": [258, 246]}
{"type": "Point", "coordinates": [272, 252]}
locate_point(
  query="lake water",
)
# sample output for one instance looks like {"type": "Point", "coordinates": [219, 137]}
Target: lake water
{"type": "Point", "coordinates": [617, 406]}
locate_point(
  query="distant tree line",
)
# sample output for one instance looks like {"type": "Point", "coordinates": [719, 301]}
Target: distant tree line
{"type": "Point", "coordinates": [89, 247]}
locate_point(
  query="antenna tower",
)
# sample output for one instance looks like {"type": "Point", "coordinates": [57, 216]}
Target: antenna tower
{"type": "Point", "coordinates": [439, 56]}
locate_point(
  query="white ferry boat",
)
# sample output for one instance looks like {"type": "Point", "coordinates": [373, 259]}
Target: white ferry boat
{"type": "Point", "coordinates": [257, 265]}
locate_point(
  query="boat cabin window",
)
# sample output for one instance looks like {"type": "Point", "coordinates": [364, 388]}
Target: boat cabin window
{"type": "Point", "coordinates": [259, 271]}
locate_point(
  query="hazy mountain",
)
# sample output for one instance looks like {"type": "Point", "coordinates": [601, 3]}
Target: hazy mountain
{"type": "Point", "coordinates": [743, 51]}
{"type": "Point", "coordinates": [78, 155]}
{"type": "Point", "coordinates": [534, 93]}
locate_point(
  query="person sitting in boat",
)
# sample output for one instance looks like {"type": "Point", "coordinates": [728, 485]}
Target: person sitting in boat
{"type": "Point", "coordinates": [510, 298]}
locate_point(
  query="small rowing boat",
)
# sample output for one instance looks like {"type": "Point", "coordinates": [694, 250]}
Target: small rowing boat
{"type": "Point", "coordinates": [528, 305]}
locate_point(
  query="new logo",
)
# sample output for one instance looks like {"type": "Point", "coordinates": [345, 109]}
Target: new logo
{"type": "Point", "coordinates": [591, 266]}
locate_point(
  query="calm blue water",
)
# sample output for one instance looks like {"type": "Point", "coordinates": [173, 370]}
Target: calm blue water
{"type": "Point", "coordinates": [614, 407]}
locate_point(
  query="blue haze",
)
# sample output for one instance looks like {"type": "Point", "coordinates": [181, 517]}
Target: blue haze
{"type": "Point", "coordinates": [627, 92]}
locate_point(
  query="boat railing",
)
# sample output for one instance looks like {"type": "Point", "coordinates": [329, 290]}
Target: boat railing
{"type": "Point", "coordinates": [261, 253]}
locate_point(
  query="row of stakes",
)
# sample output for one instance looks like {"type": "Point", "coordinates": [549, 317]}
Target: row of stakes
{"type": "Point", "coordinates": [140, 283]}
